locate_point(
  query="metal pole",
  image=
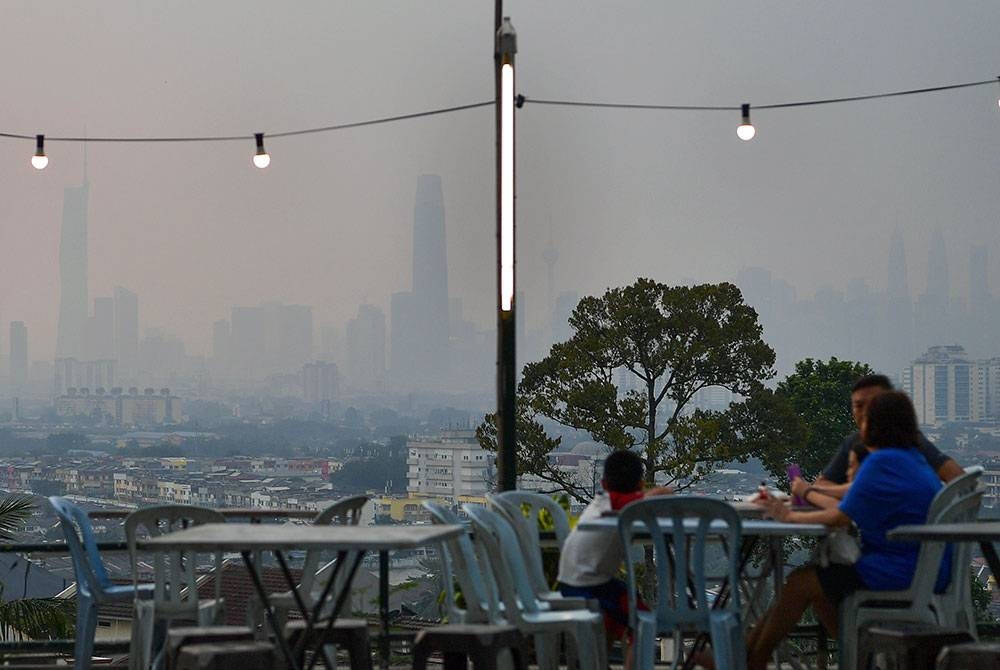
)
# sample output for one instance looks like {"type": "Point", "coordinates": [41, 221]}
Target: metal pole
{"type": "Point", "coordinates": [505, 48]}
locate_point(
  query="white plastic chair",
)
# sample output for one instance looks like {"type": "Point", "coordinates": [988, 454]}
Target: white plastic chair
{"type": "Point", "coordinates": [954, 606]}
{"type": "Point", "coordinates": [914, 604]}
{"type": "Point", "coordinates": [175, 589]}
{"type": "Point", "coordinates": [682, 585]}
{"type": "Point", "coordinates": [500, 551]}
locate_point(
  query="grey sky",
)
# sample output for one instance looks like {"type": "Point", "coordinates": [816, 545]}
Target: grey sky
{"type": "Point", "coordinates": [194, 229]}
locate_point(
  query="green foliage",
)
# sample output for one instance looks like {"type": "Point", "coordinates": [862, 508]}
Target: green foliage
{"type": "Point", "coordinates": [819, 394]}
{"type": "Point", "coordinates": [981, 599]}
{"type": "Point", "coordinates": [671, 342]}
{"type": "Point", "coordinates": [39, 618]}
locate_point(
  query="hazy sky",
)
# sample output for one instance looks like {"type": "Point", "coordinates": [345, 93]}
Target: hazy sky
{"type": "Point", "coordinates": [195, 229]}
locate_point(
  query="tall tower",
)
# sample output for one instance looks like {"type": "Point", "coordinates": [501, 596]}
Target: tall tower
{"type": "Point", "coordinates": [18, 358]}
{"type": "Point", "coordinates": [73, 302]}
{"type": "Point", "coordinates": [899, 288]}
{"type": "Point", "coordinates": [420, 321]}
{"type": "Point", "coordinates": [126, 333]}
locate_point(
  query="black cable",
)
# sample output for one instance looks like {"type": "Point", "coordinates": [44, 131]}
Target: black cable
{"type": "Point", "coordinates": [736, 108]}
{"type": "Point", "coordinates": [250, 137]}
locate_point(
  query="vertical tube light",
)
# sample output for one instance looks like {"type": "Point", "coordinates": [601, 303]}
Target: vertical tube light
{"type": "Point", "coordinates": [507, 187]}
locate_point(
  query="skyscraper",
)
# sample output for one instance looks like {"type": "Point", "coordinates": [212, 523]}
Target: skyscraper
{"type": "Point", "coordinates": [101, 331]}
{"type": "Point", "coordinates": [899, 288]}
{"type": "Point", "coordinates": [420, 318]}
{"type": "Point", "coordinates": [70, 339]}
{"type": "Point", "coordinates": [127, 333]}
{"type": "Point", "coordinates": [366, 350]}
{"type": "Point", "coordinates": [18, 358]}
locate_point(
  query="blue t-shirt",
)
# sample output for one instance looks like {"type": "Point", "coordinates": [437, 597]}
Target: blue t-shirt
{"type": "Point", "coordinates": [892, 487]}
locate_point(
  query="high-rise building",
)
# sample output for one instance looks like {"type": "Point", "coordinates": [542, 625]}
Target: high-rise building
{"type": "Point", "coordinates": [419, 319]}
{"type": "Point", "coordinates": [270, 339]}
{"type": "Point", "coordinates": [366, 350]}
{"type": "Point", "coordinates": [73, 302]}
{"type": "Point", "coordinates": [320, 383]}
{"type": "Point", "coordinates": [18, 358]}
{"type": "Point", "coordinates": [127, 333]}
{"type": "Point", "coordinates": [898, 286]}
{"type": "Point", "coordinates": [946, 386]}
{"type": "Point", "coordinates": [101, 330]}
{"type": "Point", "coordinates": [452, 465]}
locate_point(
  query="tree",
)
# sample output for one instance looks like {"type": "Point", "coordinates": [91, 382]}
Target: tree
{"type": "Point", "coordinates": [32, 618]}
{"type": "Point", "coordinates": [819, 393]}
{"type": "Point", "coordinates": [666, 344]}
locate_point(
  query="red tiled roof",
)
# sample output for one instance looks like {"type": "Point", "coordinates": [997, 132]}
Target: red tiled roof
{"type": "Point", "coordinates": [238, 589]}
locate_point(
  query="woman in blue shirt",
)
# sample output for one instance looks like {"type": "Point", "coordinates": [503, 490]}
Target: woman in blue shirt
{"type": "Point", "coordinates": [894, 485]}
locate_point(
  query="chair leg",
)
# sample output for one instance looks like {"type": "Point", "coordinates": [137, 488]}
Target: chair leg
{"type": "Point", "coordinates": [86, 627]}
{"type": "Point", "coordinates": [421, 653]}
{"type": "Point", "coordinates": [455, 661]}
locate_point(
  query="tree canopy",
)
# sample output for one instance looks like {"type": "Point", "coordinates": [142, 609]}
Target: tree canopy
{"type": "Point", "coordinates": [636, 359]}
{"type": "Point", "coordinates": [820, 394]}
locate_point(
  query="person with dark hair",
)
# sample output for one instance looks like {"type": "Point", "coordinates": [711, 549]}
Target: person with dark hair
{"type": "Point", "coordinates": [894, 485]}
{"type": "Point", "coordinates": [590, 560]}
{"type": "Point", "coordinates": [833, 480]}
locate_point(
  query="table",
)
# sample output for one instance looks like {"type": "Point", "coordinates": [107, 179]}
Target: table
{"type": "Point", "coordinates": [983, 532]}
{"type": "Point", "coordinates": [757, 530]}
{"type": "Point", "coordinates": [281, 538]}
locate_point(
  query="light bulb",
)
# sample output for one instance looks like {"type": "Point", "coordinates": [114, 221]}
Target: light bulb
{"type": "Point", "coordinates": [39, 160]}
{"type": "Point", "coordinates": [261, 159]}
{"type": "Point", "coordinates": [745, 131]}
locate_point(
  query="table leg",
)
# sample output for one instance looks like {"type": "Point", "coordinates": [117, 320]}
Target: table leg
{"type": "Point", "coordinates": [339, 601]}
{"type": "Point", "coordinates": [265, 600]}
{"type": "Point", "coordinates": [383, 608]}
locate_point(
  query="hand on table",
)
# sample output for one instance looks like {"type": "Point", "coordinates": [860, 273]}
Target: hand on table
{"type": "Point", "coordinates": [799, 487]}
{"type": "Point", "coordinates": [774, 508]}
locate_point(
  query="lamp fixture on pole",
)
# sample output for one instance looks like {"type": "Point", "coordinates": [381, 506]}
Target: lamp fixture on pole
{"type": "Point", "coordinates": [505, 49]}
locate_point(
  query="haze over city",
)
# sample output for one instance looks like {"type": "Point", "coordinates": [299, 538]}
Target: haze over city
{"type": "Point", "coordinates": [194, 230]}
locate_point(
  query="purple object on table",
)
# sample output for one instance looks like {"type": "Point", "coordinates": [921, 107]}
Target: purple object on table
{"type": "Point", "coordinates": [795, 471]}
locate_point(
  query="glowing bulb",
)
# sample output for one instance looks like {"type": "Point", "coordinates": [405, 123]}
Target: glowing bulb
{"type": "Point", "coordinates": [745, 131]}
{"type": "Point", "coordinates": [39, 160]}
{"type": "Point", "coordinates": [261, 159]}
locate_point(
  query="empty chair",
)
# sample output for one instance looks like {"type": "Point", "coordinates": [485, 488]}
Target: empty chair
{"type": "Point", "coordinates": [500, 551]}
{"type": "Point", "coordinates": [681, 585]}
{"type": "Point", "coordinates": [175, 588]}
{"type": "Point", "coordinates": [93, 586]}
{"type": "Point", "coordinates": [459, 563]}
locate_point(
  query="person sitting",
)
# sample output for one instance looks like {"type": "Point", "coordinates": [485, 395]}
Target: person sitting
{"type": "Point", "coordinates": [590, 560]}
{"type": "Point", "coordinates": [894, 485]}
{"type": "Point", "coordinates": [833, 480]}
{"type": "Point", "coordinates": [825, 500]}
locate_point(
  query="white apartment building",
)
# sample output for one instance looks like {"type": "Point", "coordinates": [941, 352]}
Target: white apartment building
{"type": "Point", "coordinates": [945, 385]}
{"type": "Point", "coordinates": [448, 466]}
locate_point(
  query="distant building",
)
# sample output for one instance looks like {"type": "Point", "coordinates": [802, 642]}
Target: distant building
{"type": "Point", "coordinates": [101, 330]}
{"type": "Point", "coordinates": [270, 339]}
{"type": "Point", "coordinates": [127, 333]}
{"type": "Point", "coordinates": [320, 382]}
{"type": "Point", "coordinates": [945, 386]}
{"type": "Point", "coordinates": [366, 350]}
{"type": "Point", "coordinates": [116, 408]}
{"type": "Point", "coordinates": [450, 465]}
{"type": "Point", "coordinates": [73, 373]}
{"type": "Point", "coordinates": [70, 341]}
{"type": "Point", "coordinates": [18, 358]}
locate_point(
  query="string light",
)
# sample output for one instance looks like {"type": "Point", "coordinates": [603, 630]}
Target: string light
{"type": "Point", "coordinates": [745, 131]}
{"type": "Point", "coordinates": [261, 159]}
{"type": "Point", "coordinates": [39, 160]}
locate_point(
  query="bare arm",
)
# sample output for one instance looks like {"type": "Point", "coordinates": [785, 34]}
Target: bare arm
{"type": "Point", "coordinates": [777, 510]}
{"type": "Point", "coordinates": [949, 470]}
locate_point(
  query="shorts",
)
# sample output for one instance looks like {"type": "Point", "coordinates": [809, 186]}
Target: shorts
{"type": "Point", "coordinates": [838, 581]}
{"type": "Point", "coordinates": [612, 596]}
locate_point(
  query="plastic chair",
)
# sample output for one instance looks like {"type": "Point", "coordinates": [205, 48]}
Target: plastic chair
{"type": "Point", "coordinates": [459, 561]}
{"type": "Point", "coordinates": [93, 586]}
{"type": "Point", "coordinates": [175, 587]}
{"type": "Point", "coordinates": [498, 547]}
{"type": "Point", "coordinates": [682, 587]}
{"type": "Point", "coordinates": [344, 512]}
{"type": "Point", "coordinates": [954, 606]}
{"type": "Point", "coordinates": [523, 509]}
{"type": "Point", "coordinates": [914, 604]}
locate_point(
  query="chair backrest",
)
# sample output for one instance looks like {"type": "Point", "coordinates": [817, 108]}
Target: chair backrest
{"type": "Point", "coordinates": [344, 512]}
{"type": "Point", "coordinates": [91, 577]}
{"type": "Point", "coordinates": [964, 484]}
{"type": "Point", "coordinates": [175, 572]}
{"type": "Point", "coordinates": [459, 561]}
{"type": "Point", "coordinates": [525, 510]}
{"type": "Point", "coordinates": [498, 546]}
{"type": "Point", "coordinates": [680, 528]}
{"type": "Point", "coordinates": [921, 591]}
